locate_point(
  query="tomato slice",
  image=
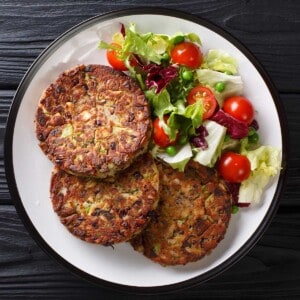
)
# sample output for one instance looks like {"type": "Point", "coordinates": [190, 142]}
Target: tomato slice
{"type": "Point", "coordinates": [114, 60]}
{"type": "Point", "coordinates": [159, 136]}
{"type": "Point", "coordinates": [202, 93]}
{"type": "Point", "coordinates": [187, 54]}
{"type": "Point", "coordinates": [234, 167]}
{"type": "Point", "coordinates": [240, 108]}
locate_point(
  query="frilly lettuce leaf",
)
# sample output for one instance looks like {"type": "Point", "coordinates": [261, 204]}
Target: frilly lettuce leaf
{"type": "Point", "coordinates": [233, 83]}
{"type": "Point", "coordinates": [138, 44]}
{"type": "Point", "coordinates": [181, 158]}
{"type": "Point", "coordinates": [265, 164]}
{"type": "Point", "coordinates": [160, 103]}
{"type": "Point", "coordinates": [264, 158]}
{"type": "Point", "coordinates": [215, 138]}
{"type": "Point", "coordinates": [221, 61]}
{"type": "Point", "coordinates": [181, 118]}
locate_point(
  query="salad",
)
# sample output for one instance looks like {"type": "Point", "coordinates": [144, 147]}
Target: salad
{"type": "Point", "coordinates": [198, 108]}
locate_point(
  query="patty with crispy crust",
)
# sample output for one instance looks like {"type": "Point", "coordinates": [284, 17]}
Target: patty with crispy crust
{"type": "Point", "coordinates": [93, 121]}
{"type": "Point", "coordinates": [191, 219]}
{"type": "Point", "coordinates": [107, 211]}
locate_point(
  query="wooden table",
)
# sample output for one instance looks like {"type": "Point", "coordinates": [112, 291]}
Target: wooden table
{"type": "Point", "coordinates": [271, 30]}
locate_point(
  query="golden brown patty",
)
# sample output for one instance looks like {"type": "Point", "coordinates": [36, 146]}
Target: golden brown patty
{"type": "Point", "coordinates": [107, 212]}
{"type": "Point", "coordinates": [93, 121]}
{"type": "Point", "coordinates": [192, 216]}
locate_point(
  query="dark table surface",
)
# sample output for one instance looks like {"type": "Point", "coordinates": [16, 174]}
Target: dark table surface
{"type": "Point", "coordinates": [271, 30]}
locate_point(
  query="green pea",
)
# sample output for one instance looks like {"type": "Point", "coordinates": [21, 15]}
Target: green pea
{"type": "Point", "coordinates": [220, 86]}
{"type": "Point", "coordinates": [253, 138]}
{"type": "Point", "coordinates": [171, 150]}
{"type": "Point", "coordinates": [234, 209]}
{"type": "Point", "coordinates": [251, 131]}
{"type": "Point", "coordinates": [165, 57]}
{"type": "Point", "coordinates": [178, 39]}
{"type": "Point", "coordinates": [228, 73]}
{"type": "Point", "coordinates": [187, 75]}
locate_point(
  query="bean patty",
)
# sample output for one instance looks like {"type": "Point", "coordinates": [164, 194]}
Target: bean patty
{"type": "Point", "coordinates": [107, 211]}
{"type": "Point", "coordinates": [191, 219]}
{"type": "Point", "coordinates": [93, 121]}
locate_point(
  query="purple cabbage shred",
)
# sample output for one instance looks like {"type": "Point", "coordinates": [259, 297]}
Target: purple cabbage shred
{"type": "Point", "coordinates": [199, 140]}
{"type": "Point", "coordinates": [234, 190]}
{"type": "Point", "coordinates": [254, 125]}
{"type": "Point", "coordinates": [235, 128]}
{"type": "Point", "coordinates": [122, 30]}
{"type": "Point", "coordinates": [159, 76]}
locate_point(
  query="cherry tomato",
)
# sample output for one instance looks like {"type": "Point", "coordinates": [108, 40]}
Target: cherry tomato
{"type": "Point", "coordinates": [206, 95]}
{"type": "Point", "coordinates": [239, 108]}
{"type": "Point", "coordinates": [234, 167]}
{"type": "Point", "coordinates": [114, 60]}
{"type": "Point", "coordinates": [159, 136]}
{"type": "Point", "coordinates": [187, 54]}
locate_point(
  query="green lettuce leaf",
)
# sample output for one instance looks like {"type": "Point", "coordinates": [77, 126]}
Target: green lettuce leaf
{"type": "Point", "coordinates": [161, 105]}
{"type": "Point", "coordinates": [181, 158]}
{"type": "Point", "coordinates": [194, 112]}
{"type": "Point", "coordinates": [138, 44]}
{"type": "Point", "coordinates": [265, 164]}
{"type": "Point", "coordinates": [233, 83]}
{"type": "Point", "coordinates": [264, 158]}
{"type": "Point", "coordinates": [219, 60]}
{"type": "Point", "coordinates": [181, 118]}
{"type": "Point", "coordinates": [193, 37]}
{"type": "Point", "coordinates": [215, 138]}
{"type": "Point", "coordinates": [161, 102]}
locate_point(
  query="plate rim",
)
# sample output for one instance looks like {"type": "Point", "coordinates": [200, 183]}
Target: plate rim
{"type": "Point", "coordinates": [9, 134]}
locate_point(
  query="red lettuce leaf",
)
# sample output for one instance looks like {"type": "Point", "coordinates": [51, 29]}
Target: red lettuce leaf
{"type": "Point", "coordinates": [159, 76]}
{"type": "Point", "coordinates": [254, 125]}
{"type": "Point", "coordinates": [122, 29]}
{"type": "Point", "coordinates": [199, 140]}
{"type": "Point", "coordinates": [234, 190]}
{"type": "Point", "coordinates": [235, 128]}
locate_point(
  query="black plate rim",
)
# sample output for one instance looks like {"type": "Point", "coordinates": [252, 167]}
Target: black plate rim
{"type": "Point", "coordinates": [8, 157]}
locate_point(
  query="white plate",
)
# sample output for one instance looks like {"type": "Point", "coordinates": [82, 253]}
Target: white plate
{"type": "Point", "coordinates": [28, 169]}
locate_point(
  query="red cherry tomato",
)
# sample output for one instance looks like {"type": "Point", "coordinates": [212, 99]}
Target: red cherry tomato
{"type": "Point", "coordinates": [239, 108]}
{"type": "Point", "coordinates": [187, 54]}
{"type": "Point", "coordinates": [234, 167]}
{"type": "Point", "coordinates": [114, 60]}
{"type": "Point", "coordinates": [159, 136]}
{"type": "Point", "coordinates": [206, 95]}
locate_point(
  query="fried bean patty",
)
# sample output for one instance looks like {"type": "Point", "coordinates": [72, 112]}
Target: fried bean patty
{"type": "Point", "coordinates": [93, 121]}
{"type": "Point", "coordinates": [107, 211]}
{"type": "Point", "coordinates": [191, 219]}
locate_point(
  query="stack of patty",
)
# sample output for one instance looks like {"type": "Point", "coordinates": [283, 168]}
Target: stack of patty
{"type": "Point", "coordinates": [94, 124]}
